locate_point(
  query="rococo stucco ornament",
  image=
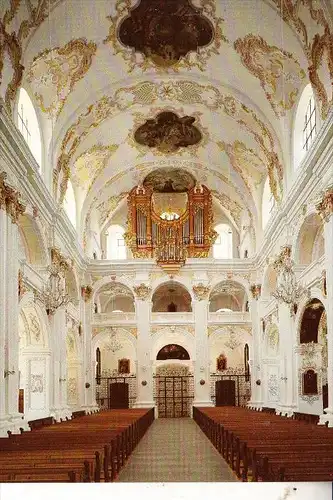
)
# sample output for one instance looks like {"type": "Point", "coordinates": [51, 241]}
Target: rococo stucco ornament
{"type": "Point", "coordinates": [201, 292]}
{"type": "Point", "coordinates": [168, 132]}
{"type": "Point", "coordinates": [256, 291]}
{"type": "Point", "coordinates": [142, 291]}
{"type": "Point", "coordinates": [10, 199]}
{"type": "Point", "coordinates": [86, 292]}
{"type": "Point", "coordinates": [325, 206]}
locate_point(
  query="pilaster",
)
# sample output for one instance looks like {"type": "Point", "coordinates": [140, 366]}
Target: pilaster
{"type": "Point", "coordinates": [255, 356]}
{"type": "Point", "coordinates": [325, 209]}
{"type": "Point", "coordinates": [144, 375]}
{"type": "Point", "coordinates": [89, 362]}
{"type": "Point", "coordinates": [201, 366]}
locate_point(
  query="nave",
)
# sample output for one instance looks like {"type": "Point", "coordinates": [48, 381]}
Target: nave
{"type": "Point", "coordinates": [175, 450]}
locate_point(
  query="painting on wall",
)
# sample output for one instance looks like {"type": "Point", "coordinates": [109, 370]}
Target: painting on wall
{"type": "Point", "coordinates": [221, 363]}
{"type": "Point", "coordinates": [124, 366]}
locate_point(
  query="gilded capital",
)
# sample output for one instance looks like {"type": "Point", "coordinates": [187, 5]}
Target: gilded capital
{"type": "Point", "coordinates": [21, 287]}
{"type": "Point", "coordinates": [142, 291]}
{"type": "Point", "coordinates": [201, 292]}
{"type": "Point", "coordinates": [255, 291]}
{"type": "Point", "coordinates": [9, 199]}
{"type": "Point", "coordinates": [86, 292]}
{"type": "Point", "coordinates": [325, 206]}
{"type": "Point", "coordinates": [59, 264]}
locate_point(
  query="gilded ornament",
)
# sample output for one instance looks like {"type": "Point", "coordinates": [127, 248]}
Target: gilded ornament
{"type": "Point", "coordinates": [86, 292]}
{"type": "Point", "coordinates": [21, 286]}
{"type": "Point", "coordinates": [59, 69]}
{"type": "Point", "coordinates": [255, 291]}
{"type": "Point", "coordinates": [325, 207]}
{"type": "Point", "coordinates": [278, 71]}
{"type": "Point", "coordinates": [9, 199]}
{"type": "Point", "coordinates": [142, 291]}
{"type": "Point", "coordinates": [201, 292]}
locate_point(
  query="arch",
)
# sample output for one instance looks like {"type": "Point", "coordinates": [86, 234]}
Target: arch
{"type": "Point", "coordinates": [33, 240]}
{"type": "Point", "coordinates": [269, 281]}
{"type": "Point", "coordinates": [180, 280]}
{"type": "Point", "coordinates": [28, 125]}
{"type": "Point", "coordinates": [113, 296]}
{"type": "Point", "coordinates": [171, 297]}
{"type": "Point", "coordinates": [172, 335]}
{"type": "Point", "coordinates": [126, 348]}
{"type": "Point", "coordinates": [70, 203]}
{"type": "Point", "coordinates": [228, 294]}
{"type": "Point", "coordinates": [267, 203]}
{"type": "Point", "coordinates": [172, 351]}
{"type": "Point", "coordinates": [309, 243]}
{"type": "Point", "coordinates": [28, 301]}
{"type": "Point", "coordinates": [115, 243]}
{"type": "Point", "coordinates": [107, 280]}
{"type": "Point", "coordinates": [302, 115]}
{"type": "Point", "coordinates": [311, 317]}
{"type": "Point", "coordinates": [222, 248]}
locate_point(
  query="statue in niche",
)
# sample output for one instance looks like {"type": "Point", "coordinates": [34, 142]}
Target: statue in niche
{"type": "Point", "coordinates": [123, 366]}
{"type": "Point", "coordinates": [221, 363]}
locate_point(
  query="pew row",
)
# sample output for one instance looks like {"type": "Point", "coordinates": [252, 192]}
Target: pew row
{"type": "Point", "coordinates": [91, 448]}
{"type": "Point", "coordinates": [261, 446]}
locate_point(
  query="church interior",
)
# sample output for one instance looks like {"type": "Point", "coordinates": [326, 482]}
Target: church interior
{"type": "Point", "coordinates": [166, 240]}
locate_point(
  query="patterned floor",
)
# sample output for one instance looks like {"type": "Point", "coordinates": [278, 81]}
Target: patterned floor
{"type": "Point", "coordinates": [175, 450]}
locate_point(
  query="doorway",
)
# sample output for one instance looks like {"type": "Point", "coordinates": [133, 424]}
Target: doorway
{"type": "Point", "coordinates": [174, 391]}
{"type": "Point", "coordinates": [118, 396]}
{"type": "Point", "coordinates": [225, 391]}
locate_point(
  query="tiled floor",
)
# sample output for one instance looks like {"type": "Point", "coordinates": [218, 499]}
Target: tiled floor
{"type": "Point", "coordinates": [175, 450]}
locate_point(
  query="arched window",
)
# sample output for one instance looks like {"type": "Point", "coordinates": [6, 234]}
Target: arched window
{"type": "Point", "coordinates": [267, 203]}
{"type": "Point", "coordinates": [115, 244]}
{"type": "Point", "coordinates": [222, 248]}
{"type": "Point", "coordinates": [70, 204]}
{"type": "Point", "coordinates": [305, 127]}
{"type": "Point", "coordinates": [28, 125]}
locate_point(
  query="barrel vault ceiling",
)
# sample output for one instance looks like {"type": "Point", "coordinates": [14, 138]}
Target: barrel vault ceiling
{"type": "Point", "coordinates": [231, 71]}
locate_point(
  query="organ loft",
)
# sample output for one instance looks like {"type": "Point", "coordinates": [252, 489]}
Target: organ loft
{"type": "Point", "coordinates": [170, 218]}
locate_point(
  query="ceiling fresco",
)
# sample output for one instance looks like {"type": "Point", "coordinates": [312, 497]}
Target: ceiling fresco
{"type": "Point", "coordinates": [165, 31]}
{"type": "Point", "coordinates": [165, 34]}
{"type": "Point", "coordinates": [229, 86]}
{"type": "Point", "coordinates": [169, 180]}
{"type": "Point", "coordinates": [168, 132]}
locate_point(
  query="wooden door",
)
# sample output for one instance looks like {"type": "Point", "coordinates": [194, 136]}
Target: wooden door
{"type": "Point", "coordinates": [225, 391]}
{"type": "Point", "coordinates": [325, 396]}
{"type": "Point", "coordinates": [119, 397]}
{"type": "Point", "coordinates": [21, 401]}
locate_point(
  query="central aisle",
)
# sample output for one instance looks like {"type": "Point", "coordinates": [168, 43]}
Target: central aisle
{"type": "Point", "coordinates": [175, 449]}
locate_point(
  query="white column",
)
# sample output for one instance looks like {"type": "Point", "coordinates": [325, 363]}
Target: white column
{"type": "Point", "coordinates": [4, 421]}
{"type": "Point", "coordinates": [58, 407]}
{"type": "Point", "coordinates": [201, 365]}
{"type": "Point", "coordinates": [287, 339]}
{"type": "Point", "coordinates": [88, 379]}
{"type": "Point", "coordinates": [144, 374]}
{"type": "Point", "coordinates": [325, 208]}
{"type": "Point", "coordinates": [255, 352]}
{"type": "Point", "coordinates": [12, 321]}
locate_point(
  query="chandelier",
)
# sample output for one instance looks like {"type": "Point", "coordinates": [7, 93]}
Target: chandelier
{"type": "Point", "coordinates": [112, 343]}
{"type": "Point", "coordinates": [54, 294]}
{"type": "Point", "coordinates": [287, 290]}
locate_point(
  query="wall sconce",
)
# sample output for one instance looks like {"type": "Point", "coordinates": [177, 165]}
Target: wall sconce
{"type": "Point", "coordinates": [258, 382]}
{"type": "Point", "coordinates": [62, 380]}
{"type": "Point", "coordinates": [87, 385]}
{"type": "Point", "coordinates": [144, 382]}
{"type": "Point", "coordinates": [284, 379]}
{"type": "Point", "coordinates": [202, 382]}
{"type": "Point", "coordinates": [8, 372]}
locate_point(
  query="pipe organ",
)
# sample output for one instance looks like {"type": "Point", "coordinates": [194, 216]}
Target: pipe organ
{"type": "Point", "coordinates": [170, 226]}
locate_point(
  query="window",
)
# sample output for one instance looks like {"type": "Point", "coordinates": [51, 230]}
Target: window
{"type": "Point", "coordinates": [116, 248]}
{"type": "Point", "coordinates": [28, 125]}
{"type": "Point", "coordinates": [70, 204]}
{"type": "Point", "coordinates": [222, 248]}
{"type": "Point", "coordinates": [305, 125]}
{"type": "Point", "coordinates": [267, 203]}
{"type": "Point", "coordinates": [309, 130]}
